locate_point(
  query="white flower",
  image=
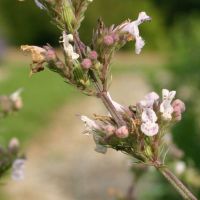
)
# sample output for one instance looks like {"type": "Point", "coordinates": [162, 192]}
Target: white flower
{"type": "Point", "coordinates": [132, 28]}
{"type": "Point", "coordinates": [149, 129]}
{"type": "Point", "coordinates": [165, 107]}
{"type": "Point", "coordinates": [149, 126]}
{"type": "Point", "coordinates": [148, 115]}
{"type": "Point", "coordinates": [18, 169]}
{"type": "Point", "coordinates": [90, 124]}
{"type": "Point", "coordinates": [68, 48]}
{"type": "Point", "coordinates": [149, 100]}
{"type": "Point", "coordinates": [117, 106]}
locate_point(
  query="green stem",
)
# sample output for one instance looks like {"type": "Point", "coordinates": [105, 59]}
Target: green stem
{"type": "Point", "coordinates": [178, 185]}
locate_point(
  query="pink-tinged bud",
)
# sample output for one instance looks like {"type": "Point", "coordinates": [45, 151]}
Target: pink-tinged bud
{"type": "Point", "coordinates": [178, 105]}
{"type": "Point", "coordinates": [93, 55]}
{"type": "Point", "coordinates": [108, 40]}
{"type": "Point", "coordinates": [50, 55]}
{"type": "Point", "coordinates": [179, 108]}
{"type": "Point", "coordinates": [13, 145]}
{"type": "Point", "coordinates": [18, 104]}
{"type": "Point", "coordinates": [177, 116]}
{"type": "Point", "coordinates": [115, 37]}
{"type": "Point", "coordinates": [86, 63]}
{"type": "Point", "coordinates": [122, 132]}
{"type": "Point", "coordinates": [110, 130]}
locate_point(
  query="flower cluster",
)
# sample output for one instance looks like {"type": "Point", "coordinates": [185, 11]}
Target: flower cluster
{"type": "Point", "coordinates": [145, 125]}
{"type": "Point", "coordinates": [81, 61]}
{"type": "Point", "coordinates": [135, 130]}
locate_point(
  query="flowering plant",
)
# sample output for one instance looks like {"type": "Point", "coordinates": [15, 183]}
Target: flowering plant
{"type": "Point", "coordinates": [136, 130]}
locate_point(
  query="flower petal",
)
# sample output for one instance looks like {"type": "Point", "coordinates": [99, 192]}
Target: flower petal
{"type": "Point", "coordinates": [90, 124]}
{"type": "Point", "coordinates": [148, 115]}
{"type": "Point", "coordinates": [139, 44]}
{"type": "Point", "coordinates": [150, 129]}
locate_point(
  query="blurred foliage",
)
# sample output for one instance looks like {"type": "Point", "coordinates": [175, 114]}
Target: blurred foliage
{"type": "Point", "coordinates": [174, 9]}
{"type": "Point", "coordinates": [22, 22]}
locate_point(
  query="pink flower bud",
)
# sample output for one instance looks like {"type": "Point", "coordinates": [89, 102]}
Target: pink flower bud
{"type": "Point", "coordinates": [177, 116]}
{"type": "Point", "coordinates": [18, 104]}
{"type": "Point", "coordinates": [178, 104]}
{"type": "Point", "coordinates": [122, 132]}
{"type": "Point", "coordinates": [13, 145]}
{"type": "Point", "coordinates": [93, 55]}
{"type": "Point", "coordinates": [50, 55]}
{"type": "Point", "coordinates": [110, 129]}
{"type": "Point", "coordinates": [86, 63]}
{"type": "Point", "coordinates": [179, 108]}
{"type": "Point", "coordinates": [115, 37]}
{"type": "Point", "coordinates": [108, 40]}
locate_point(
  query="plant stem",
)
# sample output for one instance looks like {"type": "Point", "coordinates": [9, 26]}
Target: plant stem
{"type": "Point", "coordinates": [101, 89]}
{"type": "Point", "coordinates": [178, 185]}
{"type": "Point", "coordinates": [106, 101]}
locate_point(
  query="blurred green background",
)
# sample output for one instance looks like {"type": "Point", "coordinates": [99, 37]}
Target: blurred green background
{"type": "Point", "coordinates": [170, 59]}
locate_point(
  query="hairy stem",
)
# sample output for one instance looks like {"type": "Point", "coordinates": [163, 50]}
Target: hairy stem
{"type": "Point", "coordinates": [178, 185]}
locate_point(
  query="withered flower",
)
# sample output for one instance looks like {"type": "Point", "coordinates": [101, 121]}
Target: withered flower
{"type": "Point", "coordinates": [38, 53]}
{"type": "Point", "coordinates": [38, 57]}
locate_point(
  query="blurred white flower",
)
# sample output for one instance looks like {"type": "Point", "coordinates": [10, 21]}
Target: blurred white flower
{"type": "Point", "coordinates": [180, 167]}
{"type": "Point", "coordinates": [16, 95]}
{"type": "Point", "coordinates": [18, 169]}
{"type": "Point", "coordinates": [16, 99]}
